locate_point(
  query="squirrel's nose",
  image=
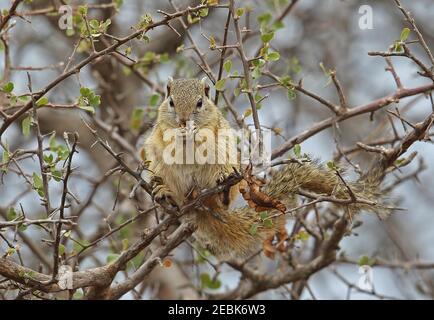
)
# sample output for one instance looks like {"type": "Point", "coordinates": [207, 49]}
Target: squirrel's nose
{"type": "Point", "coordinates": [183, 123]}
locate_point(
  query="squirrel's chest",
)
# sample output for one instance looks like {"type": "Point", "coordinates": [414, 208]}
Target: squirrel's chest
{"type": "Point", "coordinates": [182, 178]}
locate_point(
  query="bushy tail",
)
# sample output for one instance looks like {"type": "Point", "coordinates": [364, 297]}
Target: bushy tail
{"type": "Point", "coordinates": [241, 232]}
{"type": "Point", "coordinates": [315, 177]}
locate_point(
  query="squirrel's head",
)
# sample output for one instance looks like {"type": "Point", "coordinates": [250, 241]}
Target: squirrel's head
{"type": "Point", "coordinates": [187, 103]}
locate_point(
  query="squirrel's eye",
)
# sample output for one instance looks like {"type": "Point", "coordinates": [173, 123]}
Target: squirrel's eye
{"type": "Point", "coordinates": [199, 104]}
{"type": "Point", "coordinates": [171, 103]}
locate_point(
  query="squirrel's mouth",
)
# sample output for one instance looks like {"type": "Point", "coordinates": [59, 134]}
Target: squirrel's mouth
{"type": "Point", "coordinates": [186, 131]}
{"type": "Point", "coordinates": [187, 128]}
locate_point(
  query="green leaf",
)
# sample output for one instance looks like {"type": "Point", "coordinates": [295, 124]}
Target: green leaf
{"type": "Point", "coordinates": [267, 37]}
{"type": "Point", "coordinates": [6, 156]}
{"type": "Point", "coordinates": [253, 229]}
{"type": "Point", "coordinates": [136, 118]}
{"type": "Point", "coordinates": [88, 109]}
{"type": "Point", "coordinates": [155, 98]}
{"type": "Point", "coordinates": [302, 236]}
{"type": "Point", "coordinates": [52, 141]}
{"type": "Point", "coordinates": [61, 249]}
{"type": "Point", "coordinates": [220, 85]}
{"type": "Point", "coordinates": [212, 43]}
{"type": "Point", "coordinates": [292, 94]}
{"type": "Point", "coordinates": [48, 158]}
{"type": "Point", "coordinates": [25, 125]}
{"type": "Point", "coordinates": [258, 62]}
{"type": "Point", "coordinates": [256, 73]}
{"type": "Point", "coordinates": [278, 25]}
{"type": "Point", "coordinates": [268, 223]}
{"type": "Point", "coordinates": [208, 282]}
{"type": "Point", "coordinates": [332, 166]}
{"type": "Point", "coordinates": [11, 214]}
{"type": "Point", "coordinates": [227, 65]}
{"type": "Point", "coordinates": [8, 87]}
{"type": "Point", "coordinates": [82, 10]}
{"type": "Point", "coordinates": [273, 56]}
{"type": "Point", "coordinates": [204, 12]}
{"type": "Point", "coordinates": [265, 18]}
{"type": "Point", "coordinates": [297, 150]}
{"type": "Point", "coordinates": [57, 175]}
{"type": "Point", "coordinates": [85, 92]}
{"type": "Point", "coordinates": [247, 113]}
{"type": "Point", "coordinates": [37, 181]}
{"type": "Point", "coordinates": [366, 261]}
{"type": "Point", "coordinates": [112, 257]}
{"type": "Point", "coordinates": [41, 102]}
{"type": "Point", "coordinates": [404, 34]}
{"type": "Point", "coordinates": [94, 24]}
{"type": "Point", "coordinates": [95, 100]}
{"type": "Point", "coordinates": [125, 244]}
{"type": "Point", "coordinates": [239, 12]}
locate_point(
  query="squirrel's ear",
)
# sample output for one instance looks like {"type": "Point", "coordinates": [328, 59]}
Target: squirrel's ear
{"type": "Point", "coordinates": [205, 86]}
{"type": "Point", "coordinates": [169, 84]}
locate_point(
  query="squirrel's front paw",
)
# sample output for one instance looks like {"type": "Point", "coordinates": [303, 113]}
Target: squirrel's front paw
{"type": "Point", "coordinates": [163, 195]}
{"type": "Point", "coordinates": [225, 196]}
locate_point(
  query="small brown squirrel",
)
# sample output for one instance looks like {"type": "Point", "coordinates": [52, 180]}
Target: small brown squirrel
{"type": "Point", "coordinates": [224, 231]}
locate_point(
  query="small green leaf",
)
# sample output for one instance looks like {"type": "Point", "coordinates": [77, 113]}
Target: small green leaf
{"type": "Point", "coordinates": [204, 12]}
{"type": "Point", "coordinates": [291, 94]}
{"type": "Point", "coordinates": [208, 282]}
{"type": "Point", "coordinates": [37, 181]}
{"type": "Point", "coordinates": [228, 65]}
{"type": "Point", "coordinates": [265, 18]}
{"type": "Point", "coordinates": [247, 113]}
{"type": "Point", "coordinates": [52, 141]}
{"type": "Point", "coordinates": [297, 150]}
{"type": "Point", "coordinates": [267, 37]}
{"type": "Point", "coordinates": [82, 10]}
{"type": "Point", "coordinates": [332, 166]}
{"type": "Point", "coordinates": [253, 229]}
{"type": "Point", "coordinates": [404, 34]}
{"type": "Point", "coordinates": [61, 249]}
{"type": "Point", "coordinates": [268, 223]}
{"type": "Point", "coordinates": [220, 85]}
{"type": "Point", "coordinates": [112, 257]}
{"type": "Point", "coordinates": [125, 244]}
{"type": "Point", "coordinates": [155, 98]}
{"type": "Point", "coordinates": [48, 158]}
{"type": "Point", "coordinates": [278, 25]}
{"type": "Point", "coordinates": [273, 56]}
{"type": "Point", "coordinates": [302, 236]}
{"type": "Point", "coordinates": [88, 109]}
{"type": "Point", "coordinates": [42, 102]}
{"type": "Point", "coordinates": [256, 73]}
{"type": "Point", "coordinates": [6, 156]}
{"type": "Point", "coordinates": [57, 175]}
{"type": "Point", "coordinates": [239, 12]}
{"type": "Point", "coordinates": [25, 125]}
{"type": "Point", "coordinates": [366, 261]}
{"type": "Point", "coordinates": [136, 118]}
{"type": "Point", "coordinates": [85, 92]}
{"type": "Point", "coordinates": [11, 214]}
{"type": "Point", "coordinates": [8, 87]}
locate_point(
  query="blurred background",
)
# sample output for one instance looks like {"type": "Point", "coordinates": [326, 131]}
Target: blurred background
{"type": "Point", "coordinates": [315, 33]}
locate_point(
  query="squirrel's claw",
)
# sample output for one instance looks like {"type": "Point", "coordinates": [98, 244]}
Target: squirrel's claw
{"type": "Point", "coordinates": [162, 194]}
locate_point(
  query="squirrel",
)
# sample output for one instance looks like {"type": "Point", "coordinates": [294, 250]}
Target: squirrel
{"type": "Point", "coordinates": [227, 232]}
